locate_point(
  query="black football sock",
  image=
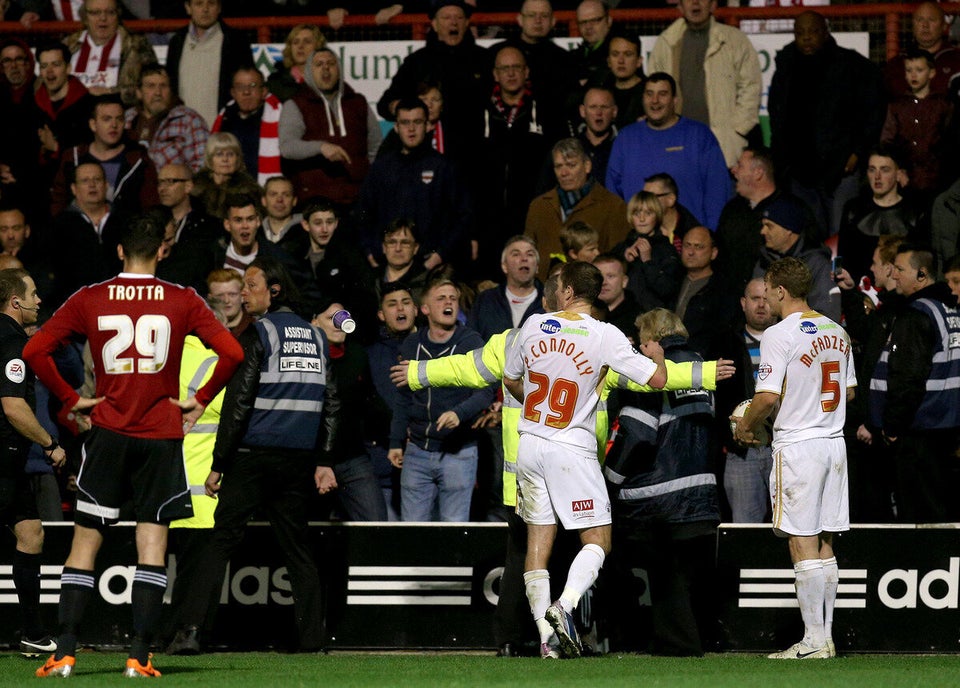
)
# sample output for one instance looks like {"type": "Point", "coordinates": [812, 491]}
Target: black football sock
{"type": "Point", "coordinates": [149, 584]}
{"type": "Point", "coordinates": [26, 579]}
{"type": "Point", "coordinates": [76, 587]}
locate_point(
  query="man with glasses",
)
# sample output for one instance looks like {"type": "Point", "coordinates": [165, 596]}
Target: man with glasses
{"type": "Point", "coordinates": [519, 128]}
{"type": "Point", "coordinates": [418, 183]}
{"type": "Point", "coordinates": [593, 23]}
{"type": "Point", "coordinates": [253, 116]}
{"type": "Point", "coordinates": [400, 248]}
{"type": "Point", "coordinates": [19, 145]}
{"type": "Point", "coordinates": [194, 233]}
{"type": "Point", "coordinates": [551, 67]}
{"type": "Point", "coordinates": [106, 57]}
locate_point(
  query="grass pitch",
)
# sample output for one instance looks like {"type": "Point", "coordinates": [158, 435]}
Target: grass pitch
{"type": "Point", "coordinates": [448, 670]}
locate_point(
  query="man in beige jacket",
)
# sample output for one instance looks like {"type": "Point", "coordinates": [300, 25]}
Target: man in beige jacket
{"type": "Point", "coordinates": [717, 70]}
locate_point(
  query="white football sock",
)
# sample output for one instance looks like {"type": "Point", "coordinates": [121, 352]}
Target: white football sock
{"type": "Point", "coordinates": [831, 580]}
{"type": "Point", "coordinates": [537, 585]}
{"type": "Point", "coordinates": [810, 590]}
{"type": "Point", "coordinates": [583, 572]}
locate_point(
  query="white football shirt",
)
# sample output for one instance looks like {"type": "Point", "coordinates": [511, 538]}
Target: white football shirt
{"type": "Point", "coordinates": [563, 359]}
{"type": "Point", "coordinates": [806, 360]}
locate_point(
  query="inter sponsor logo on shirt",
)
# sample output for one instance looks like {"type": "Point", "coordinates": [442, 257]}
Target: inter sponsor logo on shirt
{"type": "Point", "coordinates": [808, 327]}
{"type": "Point", "coordinates": [550, 326]}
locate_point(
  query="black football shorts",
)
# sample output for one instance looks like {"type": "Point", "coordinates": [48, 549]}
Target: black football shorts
{"type": "Point", "coordinates": [118, 467]}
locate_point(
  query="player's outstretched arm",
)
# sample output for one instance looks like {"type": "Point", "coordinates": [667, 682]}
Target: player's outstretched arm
{"type": "Point", "coordinates": [515, 387]}
{"type": "Point", "coordinates": [686, 375]}
{"type": "Point", "coordinates": [475, 369]}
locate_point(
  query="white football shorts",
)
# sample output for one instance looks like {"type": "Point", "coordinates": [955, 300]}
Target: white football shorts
{"type": "Point", "coordinates": [808, 488]}
{"type": "Point", "coordinates": [557, 482]}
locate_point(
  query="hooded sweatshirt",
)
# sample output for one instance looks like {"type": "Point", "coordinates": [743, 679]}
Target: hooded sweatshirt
{"type": "Point", "coordinates": [312, 118]}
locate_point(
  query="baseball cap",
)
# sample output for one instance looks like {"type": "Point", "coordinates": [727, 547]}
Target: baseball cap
{"type": "Point", "coordinates": [788, 212]}
{"type": "Point", "coordinates": [437, 5]}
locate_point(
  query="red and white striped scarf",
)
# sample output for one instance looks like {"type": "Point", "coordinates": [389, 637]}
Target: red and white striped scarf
{"type": "Point", "coordinates": [268, 157]}
{"type": "Point", "coordinates": [104, 72]}
{"type": "Point", "coordinates": [67, 10]}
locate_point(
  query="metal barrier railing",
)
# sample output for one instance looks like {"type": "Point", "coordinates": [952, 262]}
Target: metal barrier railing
{"type": "Point", "coordinates": [884, 21]}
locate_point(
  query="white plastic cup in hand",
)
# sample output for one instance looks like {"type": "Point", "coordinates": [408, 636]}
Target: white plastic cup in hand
{"type": "Point", "coordinates": [344, 322]}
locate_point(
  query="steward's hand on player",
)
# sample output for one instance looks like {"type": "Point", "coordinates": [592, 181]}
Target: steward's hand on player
{"type": "Point", "coordinates": [448, 419]}
{"type": "Point", "coordinates": [192, 410]}
{"type": "Point", "coordinates": [725, 369]}
{"type": "Point", "coordinates": [395, 457]}
{"type": "Point", "coordinates": [212, 484]}
{"type": "Point", "coordinates": [325, 479]}
{"type": "Point", "coordinates": [398, 373]}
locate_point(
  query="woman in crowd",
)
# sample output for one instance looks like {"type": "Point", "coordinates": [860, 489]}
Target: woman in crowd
{"type": "Point", "coordinates": [302, 40]}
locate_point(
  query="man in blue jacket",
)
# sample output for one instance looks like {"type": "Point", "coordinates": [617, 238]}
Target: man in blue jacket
{"type": "Point", "coordinates": [439, 464]}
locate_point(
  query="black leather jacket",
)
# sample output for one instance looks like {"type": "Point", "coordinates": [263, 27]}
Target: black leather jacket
{"type": "Point", "coordinates": [238, 400]}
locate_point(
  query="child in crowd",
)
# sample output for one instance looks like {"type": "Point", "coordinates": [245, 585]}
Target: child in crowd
{"type": "Point", "coordinates": [917, 123]}
{"type": "Point", "coordinates": [580, 241]}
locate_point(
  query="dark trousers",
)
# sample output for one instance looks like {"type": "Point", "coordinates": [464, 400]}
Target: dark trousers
{"type": "Point", "coordinates": [926, 469]}
{"type": "Point", "coordinates": [680, 566]}
{"type": "Point", "coordinates": [279, 484]}
{"type": "Point", "coordinates": [512, 622]}
{"type": "Point", "coordinates": [189, 545]}
{"type": "Point", "coordinates": [358, 490]}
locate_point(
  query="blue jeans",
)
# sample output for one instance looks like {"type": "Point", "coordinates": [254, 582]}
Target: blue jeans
{"type": "Point", "coordinates": [359, 490]}
{"type": "Point", "coordinates": [433, 482]}
{"type": "Point", "coordinates": [746, 481]}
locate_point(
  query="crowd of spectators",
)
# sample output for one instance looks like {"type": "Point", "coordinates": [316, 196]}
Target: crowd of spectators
{"type": "Point", "coordinates": [499, 164]}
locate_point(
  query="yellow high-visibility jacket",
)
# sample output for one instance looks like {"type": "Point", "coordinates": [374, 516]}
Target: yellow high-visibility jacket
{"type": "Point", "coordinates": [483, 367]}
{"type": "Point", "coordinates": [196, 367]}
